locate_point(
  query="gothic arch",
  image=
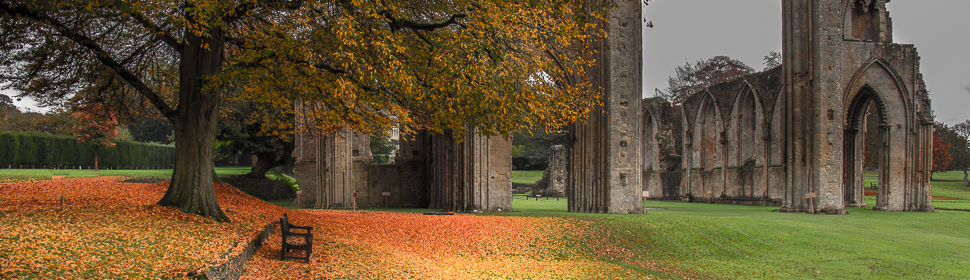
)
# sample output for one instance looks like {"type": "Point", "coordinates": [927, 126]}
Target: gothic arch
{"type": "Point", "coordinates": [864, 76]}
{"type": "Point", "coordinates": [746, 128]}
{"type": "Point", "coordinates": [876, 84]}
{"type": "Point", "coordinates": [651, 148]}
{"type": "Point", "coordinates": [707, 134]}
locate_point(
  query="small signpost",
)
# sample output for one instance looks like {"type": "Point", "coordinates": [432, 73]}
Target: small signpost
{"type": "Point", "coordinates": [811, 202]}
{"type": "Point", "coordinates": [354, 201]}
{"type": "Point", "coordinates": [643, 201]}
{"type": "Point", "coordinates": [385, 195]}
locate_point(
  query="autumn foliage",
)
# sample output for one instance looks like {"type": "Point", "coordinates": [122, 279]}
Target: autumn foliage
{"type": "Point", "coordinates": [941, 152]}
{"type": "Point", "coordinates": [113, 229]}
{"type": "Point", "coordinates": [110, 229]}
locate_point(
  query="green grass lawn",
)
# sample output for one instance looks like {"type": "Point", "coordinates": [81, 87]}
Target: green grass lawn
{"type": "Point", "coordinates": [526, 176]}
{"type": "Point", "coordinates": [17, 175]}
{"type": "Point", "coordinates": [751, 242]}
{"type": "Point", "coordinates": [950, 191]}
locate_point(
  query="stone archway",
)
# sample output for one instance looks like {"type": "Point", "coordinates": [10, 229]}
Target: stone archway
{"type": "Point", "coordinates": [854, 149]}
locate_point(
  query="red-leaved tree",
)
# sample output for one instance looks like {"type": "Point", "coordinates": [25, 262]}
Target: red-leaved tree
{"type": "Point", "coordinates": [941, 151]}
{"type": "Point", "coordinates": [96, 129]}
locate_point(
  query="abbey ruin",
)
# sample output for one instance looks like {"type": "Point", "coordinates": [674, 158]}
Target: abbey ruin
{"type": "Point", "coordinates": [791, 136]}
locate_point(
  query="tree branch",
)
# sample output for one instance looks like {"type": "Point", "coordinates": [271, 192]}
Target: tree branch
{"type": "Point", "coordinates": [162, 34]}
{"type": "Point", "coordinates": [103, 56]}
{"type": "Point", "coordinates": [397, 23]}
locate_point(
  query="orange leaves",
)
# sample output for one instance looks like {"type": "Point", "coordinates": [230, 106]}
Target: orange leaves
{"type": "Point", "coordinates": [369, 245]}
{"type": "Point", "coordinates": [110, 229]}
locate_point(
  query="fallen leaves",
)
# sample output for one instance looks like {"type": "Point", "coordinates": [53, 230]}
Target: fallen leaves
{"type": "Point", "coordinates": [375, 245]}
{"type": "Point", "coordinates": [110, 229]}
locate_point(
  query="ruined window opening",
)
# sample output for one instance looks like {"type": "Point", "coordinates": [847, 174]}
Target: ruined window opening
{"type": "Point", "coordinates": [649, 143]}
{"type": "Point", "coordinates": [356, 153]}
{"type": "Point", "coordinates": [864, 20]}
{"type": "Point", "coordinates": [747, 128]}
{"type": "Point", "coordinates": [705, 139]}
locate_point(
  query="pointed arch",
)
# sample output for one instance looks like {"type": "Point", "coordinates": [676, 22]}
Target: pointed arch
{"type": "Point", "coordinates": [876, 84]}
{"type": "Point", "coordinates": [650, 148]}
{"type": "Point", "coordinates": [865, 77]}
{"type": "Point", "coordinates": [746, 129]}
{"type": "Point", "coordinates": [707, 135]}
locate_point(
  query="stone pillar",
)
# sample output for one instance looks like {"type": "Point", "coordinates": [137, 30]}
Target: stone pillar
{"type": "Point", "coordinates": [473, 175]}
{"type": "Point", "coordinates": [324, 169]}
{"type": "Point", "coordinates": [553, 181]}
{"type": "Point", "coordinates": [605, 164]}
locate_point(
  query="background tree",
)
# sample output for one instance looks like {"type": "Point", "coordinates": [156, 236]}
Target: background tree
{"type": "Point", "coordinates": [244, 133]}
{"type": "Point", "coordinates": [364, 64]}
{"type": "Point", "coordinates": [55, 122]}
{"type": "Point", "coordinates": [691, 78]}
{"type": "Point", "coordinates": [7, 107]}
{"type": "Point", "coordinates": [941, 149]}
{"type": "Point", "coordinates": [772, 60]}
{"type": "Point", "coordinates": [382, 147]}
{"type": "Point", "coordinates": [531, 149]}
{"type": "Point", "coordinates": [96, 129]}
{"type": "Point", "coordinates": [958, 137]}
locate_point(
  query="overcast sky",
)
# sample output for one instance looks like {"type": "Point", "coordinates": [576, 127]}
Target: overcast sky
{"type": "Point", "coordinates": [692, 30]}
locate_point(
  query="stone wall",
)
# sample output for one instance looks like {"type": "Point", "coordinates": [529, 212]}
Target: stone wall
{"type": "Point", "coordinates": [553, 181]}
{"type": "Point", "coordinates": [433, 171]}
{"type": "Point", "coordinates": [792, 136]}
{"type": "Point", "coordinates": [473, 175]}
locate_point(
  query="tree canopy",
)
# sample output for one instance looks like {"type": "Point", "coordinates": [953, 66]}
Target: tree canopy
{"type": "Point", "coordinates": [495, 66]}
{"type": "Point", "coordinates": [690, 78]}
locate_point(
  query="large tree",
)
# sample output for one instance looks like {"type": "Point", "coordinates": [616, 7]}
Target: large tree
{"type": "Point", "coordinates": [494, 66]}
{"type": "Point", "coordinates": [691, 78]}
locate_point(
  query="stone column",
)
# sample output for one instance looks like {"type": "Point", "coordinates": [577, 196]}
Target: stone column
{"type": "Point", "coordinates": [605, 164]}
{"type": "Point", "coordinates": [473, 175]}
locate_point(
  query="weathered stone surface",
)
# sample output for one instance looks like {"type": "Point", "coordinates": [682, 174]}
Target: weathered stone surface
{"type": "Point", "coordinates": [553, 181]}
{"type": "Point", "coordinates": [792, 136]}
{"type": "Point", "coordinates": [605, 168]}
{"type": "Point", "coordinates": [473, 175]}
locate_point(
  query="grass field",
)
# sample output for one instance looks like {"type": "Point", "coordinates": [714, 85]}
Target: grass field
{"type": "Point", "coordinates": [526, 176]}
{"type": "Point", "coordinates": [21, 175]}
{"type": "Point", "coordinates": [950, 192]}
{"type": "Point", "coordinates": [749, 242]}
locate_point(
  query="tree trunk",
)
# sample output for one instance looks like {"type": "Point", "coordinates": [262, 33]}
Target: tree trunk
{"type": "Point", "coordinates": [264, 162]}
{"type": "Point", "coordinates": [96, 158]}
{"type": "Point", "coordinates": [195, 123]}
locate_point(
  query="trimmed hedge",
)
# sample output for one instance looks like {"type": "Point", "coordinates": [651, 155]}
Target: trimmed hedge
{"type": "Point", "coordinates": [42, 150]}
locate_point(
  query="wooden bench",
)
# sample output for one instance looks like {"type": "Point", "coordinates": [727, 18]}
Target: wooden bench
{"type": "Point", "coordinates": [295, 240]}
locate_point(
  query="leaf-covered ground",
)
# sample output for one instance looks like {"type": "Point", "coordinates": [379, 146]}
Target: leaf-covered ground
{"type": "Point", "coordinates": [380, 245]}
{"type": "Point", "coordinates": [112, 229]}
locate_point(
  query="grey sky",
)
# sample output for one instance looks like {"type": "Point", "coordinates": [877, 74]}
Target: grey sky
{"type": "Point", "coordinates": [691, 30]}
